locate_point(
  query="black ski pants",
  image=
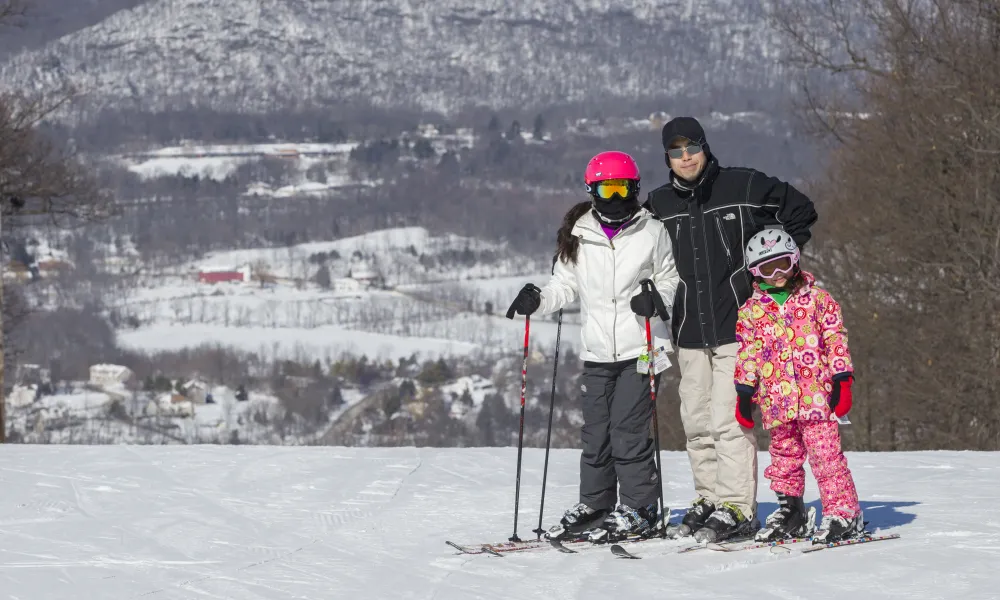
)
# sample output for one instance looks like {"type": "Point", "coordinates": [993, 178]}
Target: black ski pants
{"type": "Point", "coordinates": [616, 437]}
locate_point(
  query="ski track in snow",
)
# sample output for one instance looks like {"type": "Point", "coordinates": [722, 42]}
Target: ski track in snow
{"type": "Point", "coordinates": [258, 522]}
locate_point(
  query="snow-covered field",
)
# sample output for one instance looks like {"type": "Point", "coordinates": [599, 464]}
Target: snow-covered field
{"type": "Point", "coordinates": [327, 342]}
{"type": "Point", "coordinates": [431, 306]}
{"type": "Point", "coordinates": [243, 522]}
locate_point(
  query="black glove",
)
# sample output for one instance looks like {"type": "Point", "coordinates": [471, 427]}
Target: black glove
{"type": "Point", "coordinates": [744, 405]}
{"type": "Point", "coordinates": [648, 303]}
{"type": "Point", "coordinates": [528, 300]}
{"type": "Point", "coordinates": [642, 304]}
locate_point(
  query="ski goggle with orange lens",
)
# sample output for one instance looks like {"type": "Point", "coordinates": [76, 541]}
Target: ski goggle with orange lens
{"type": "Point", "coordinates": [606, 189]}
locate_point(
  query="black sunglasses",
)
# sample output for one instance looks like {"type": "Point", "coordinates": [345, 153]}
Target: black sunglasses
{"type": "Point", "coordinates": [679, 152]}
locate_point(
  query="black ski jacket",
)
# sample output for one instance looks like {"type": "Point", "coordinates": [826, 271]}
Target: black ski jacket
{"type": "Point", "coordinates": [710, 223]}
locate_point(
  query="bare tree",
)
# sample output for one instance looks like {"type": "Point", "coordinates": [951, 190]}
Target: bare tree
{"type": "Point", "coordinates": [37, 180]}
{"type": "Point", "coordinates": [909, 240]}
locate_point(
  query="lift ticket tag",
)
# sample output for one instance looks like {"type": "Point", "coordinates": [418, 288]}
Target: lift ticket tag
{"type": "Point", "coordinates": [660, 361]}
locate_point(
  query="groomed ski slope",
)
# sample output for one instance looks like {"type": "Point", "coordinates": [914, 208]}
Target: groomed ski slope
{"type": "Point", "coordinates": [119, 522]}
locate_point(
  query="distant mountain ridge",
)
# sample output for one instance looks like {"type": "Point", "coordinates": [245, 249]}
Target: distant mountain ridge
{"type": "Point", "coordinates": [276, 55]}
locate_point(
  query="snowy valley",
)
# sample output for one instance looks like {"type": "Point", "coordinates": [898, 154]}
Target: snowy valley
{"type": "Point", "coordinates": [288, 323]}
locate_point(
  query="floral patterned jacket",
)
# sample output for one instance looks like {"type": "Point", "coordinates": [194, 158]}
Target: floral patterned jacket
{"type": "Point", "coordinates": [790, 353]}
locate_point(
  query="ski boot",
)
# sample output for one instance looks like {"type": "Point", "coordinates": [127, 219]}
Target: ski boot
{"type": "Point", "coordinates": [576, 521]}
{"type": "Point", "coordinates": [625, 522]}
{"type": "Point", "coordinates": [837, 529]}
{"type": "Point", "coordinates": [693, 520]}
{"type": "Point", "coordinates": [791, 520]}
{"type": "Point", "coordinates": [725, 523]}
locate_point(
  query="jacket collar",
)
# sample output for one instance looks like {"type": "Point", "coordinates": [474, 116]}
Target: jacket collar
{"type": "Point", "coordinates": [589, 227]}
{"type": "Point", "coordinates": [708, 175]}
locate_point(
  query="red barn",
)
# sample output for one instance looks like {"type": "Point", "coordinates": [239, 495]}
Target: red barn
{"type": "Point", "coordinates": [220, 274]}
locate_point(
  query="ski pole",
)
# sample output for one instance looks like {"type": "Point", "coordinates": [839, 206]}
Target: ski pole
{"type": "Point", "coordinates": [548, 434]}
{"type": "Point", "coordinates": [520, 433]}
{"type": "Point", "coordinates": [648, 285]}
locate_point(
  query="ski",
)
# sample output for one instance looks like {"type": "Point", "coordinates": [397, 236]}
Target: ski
{"type": "Point", "coordinates": [558, 545]}
{"type": "Point", "coordinates": [692, 548]}
{"type": "Point", "coordinates": [735, 547]}
{"type": "Point", "coordinates": [620, 552]}
{"type": "Point", "coordinates": [851, 542]}
{"type": "Point", "coordinates": [464, 549]}
{"type": "Point", "coordinates": [502, 547]}
{"type": "Point", "coordinates": [683, 550]}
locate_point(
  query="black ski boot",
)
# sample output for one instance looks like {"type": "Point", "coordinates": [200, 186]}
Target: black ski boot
{"type": "Point", "coordinates": [577, 520]}
{"type": "Point", "coordinates": [838, 529]}
{"type": "Point", "coordinates": [624, 522]}
{"type": "Point", "coordinates": [693, 520]}
{"type": "Point", "coordinates": [791, 520]}
{"type": "Point", "coordinates": [725, 523]}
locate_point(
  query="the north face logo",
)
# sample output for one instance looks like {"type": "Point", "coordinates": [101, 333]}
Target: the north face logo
{"type": "Point", "coordinates": [729, 216]}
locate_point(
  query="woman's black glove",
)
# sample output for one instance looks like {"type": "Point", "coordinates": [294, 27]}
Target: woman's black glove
{"type": "Point", "coordinates": [528, 300]}
{"type": "Point", "coordinates": [648, 303]}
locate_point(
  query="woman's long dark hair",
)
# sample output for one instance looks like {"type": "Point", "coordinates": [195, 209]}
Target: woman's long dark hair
{"type": "Point", "coordinates": [567, 244]}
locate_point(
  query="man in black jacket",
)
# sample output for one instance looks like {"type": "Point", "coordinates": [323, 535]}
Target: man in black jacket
{"type": "Point", "coordinates": [710, 213]}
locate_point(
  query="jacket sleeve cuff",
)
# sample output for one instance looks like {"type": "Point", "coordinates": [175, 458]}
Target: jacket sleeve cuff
{"type": "Point", "coordinates": [843, 376]}
{"type": "Point", "coordinates": [743, 389]}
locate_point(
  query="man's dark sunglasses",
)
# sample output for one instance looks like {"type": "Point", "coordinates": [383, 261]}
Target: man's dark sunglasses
{"type": "Point", "coordinates": [679, 152]}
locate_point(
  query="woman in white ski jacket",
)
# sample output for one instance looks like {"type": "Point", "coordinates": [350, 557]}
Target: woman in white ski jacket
{"type": "Point", "coordinates": [606, 247]}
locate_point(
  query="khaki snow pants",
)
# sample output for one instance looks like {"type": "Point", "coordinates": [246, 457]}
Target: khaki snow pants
{"type": "Point", "coordinates": [723, 453]}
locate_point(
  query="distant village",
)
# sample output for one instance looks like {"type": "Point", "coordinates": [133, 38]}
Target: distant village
{"type": "Point", "coordinates": [113, 383]}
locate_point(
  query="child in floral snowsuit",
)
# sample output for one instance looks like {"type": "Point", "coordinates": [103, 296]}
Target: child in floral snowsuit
{"type": "Point", "coordinates": [794, 363]}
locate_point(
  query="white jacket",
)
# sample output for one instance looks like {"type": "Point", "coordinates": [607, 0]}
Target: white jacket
{"type": "Point", "coordinates": [606, 276]}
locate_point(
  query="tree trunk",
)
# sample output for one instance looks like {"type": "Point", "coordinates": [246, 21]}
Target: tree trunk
{"type": "Point", "coordinates": [3, 398]}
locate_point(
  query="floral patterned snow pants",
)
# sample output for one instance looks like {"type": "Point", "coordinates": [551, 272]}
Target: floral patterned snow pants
{"type": "Point", "coordinates": [791, 443]}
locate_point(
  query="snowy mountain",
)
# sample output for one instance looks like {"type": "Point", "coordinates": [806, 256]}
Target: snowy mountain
{"type": "Point", "coordinates": [272, 55]}
{"type": "Point", "coordinates": [243, 522]}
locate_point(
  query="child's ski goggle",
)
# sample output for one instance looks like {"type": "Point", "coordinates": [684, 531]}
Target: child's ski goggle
{"type": "Point", "coordinates": [607, 189]}
{"type": "Point", "coordinates": [779, 265]}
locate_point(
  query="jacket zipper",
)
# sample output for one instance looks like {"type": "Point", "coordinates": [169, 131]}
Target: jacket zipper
{"type": "Point", "coordinates": [729, 256]}
{"type": "Point", "coordinates": [708, 286]}
{"type": "Point", "coordinates": [614, 299]}
{"type": "Point", "coordinates": [680, 281]}
{"type": "Point", "coordinates": [722, 236]}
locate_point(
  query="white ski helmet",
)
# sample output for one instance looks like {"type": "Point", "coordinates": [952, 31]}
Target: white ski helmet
{"type": "Point", "coordinates": [769, 244]}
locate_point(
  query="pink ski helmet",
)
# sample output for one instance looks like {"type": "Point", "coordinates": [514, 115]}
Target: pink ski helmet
{"type": "Point", "coordinates": [611, 165]}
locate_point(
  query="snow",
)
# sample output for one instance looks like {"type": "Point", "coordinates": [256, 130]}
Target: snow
{"type": "Point", "coordinates": [80, 404]}
{"type": "Point", "coordinates": [327, 341]}
{"type": "Point", "coordinates": [306, 188]}
{"type": "Point", "coordinates": [478, 388]}
{"type": "Point", "coordinates": [280, 149]}
{"type": "Point", "coordinates": [214, 168]}
{"type": "Point", "coordinates": [244, 522]}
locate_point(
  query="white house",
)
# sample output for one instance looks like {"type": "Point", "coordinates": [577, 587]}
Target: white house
{"type": "Point", "coordinates": [107, 374]}
{"type": "Point", "coordinates": [366, 276]}
{"type": "Point", "coordinates": [345, 285]}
